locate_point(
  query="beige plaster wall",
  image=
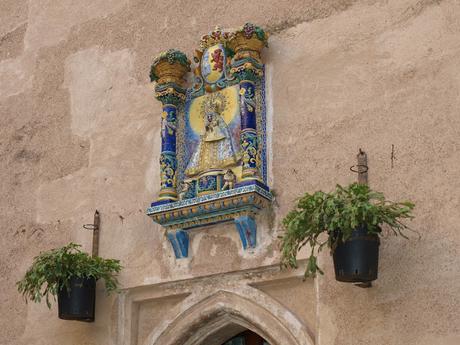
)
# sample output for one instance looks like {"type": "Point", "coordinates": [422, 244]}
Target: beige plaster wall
{"type": "Point", "coordinates": [80, 130]}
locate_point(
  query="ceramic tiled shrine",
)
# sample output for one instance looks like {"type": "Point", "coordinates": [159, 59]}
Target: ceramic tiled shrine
{"type": "Point", "coordinates": [213, 161]}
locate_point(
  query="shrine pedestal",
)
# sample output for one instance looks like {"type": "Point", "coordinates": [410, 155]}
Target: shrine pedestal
{"type": "Point", "coordinates": [239, 205]}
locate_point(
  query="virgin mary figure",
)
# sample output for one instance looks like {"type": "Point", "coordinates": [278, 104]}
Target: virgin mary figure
{"type": "Point", "coordinates": [215, 149]}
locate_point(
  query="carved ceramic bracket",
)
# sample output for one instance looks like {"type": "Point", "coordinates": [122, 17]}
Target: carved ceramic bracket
{"type": "Point", "coordinates": [179, 241]}
{"type": "Point", "coordinates": [247, 229]}
{"type": "Point", "coordinates": [245, 225]}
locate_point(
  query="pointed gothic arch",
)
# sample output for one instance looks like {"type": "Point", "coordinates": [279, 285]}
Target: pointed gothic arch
{"type": "Point", "coordinates": [229, 312]}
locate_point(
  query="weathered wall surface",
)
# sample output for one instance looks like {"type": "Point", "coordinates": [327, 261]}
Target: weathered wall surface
{"type": "Point", "coordinates": [80, 130]}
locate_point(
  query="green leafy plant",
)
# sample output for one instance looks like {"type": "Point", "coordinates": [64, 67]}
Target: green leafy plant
{"type": "Point", "coordinates": [338, 214]}
{"type": "Point", "coordinates": [52, 270]}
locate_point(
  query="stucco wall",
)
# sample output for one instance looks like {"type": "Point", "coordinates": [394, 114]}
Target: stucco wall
{"type": "Point", "coordinates": [80, 130]}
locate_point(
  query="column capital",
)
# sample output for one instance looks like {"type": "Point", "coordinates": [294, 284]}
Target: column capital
{"type": "Point", "coordinates": [168, 70]}
{"type": "Point", "coordinates": [247, 44]}
{"type": "Point", "coordinates": [170, 94]}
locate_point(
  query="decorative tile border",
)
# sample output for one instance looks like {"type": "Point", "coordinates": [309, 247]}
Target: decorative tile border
{"type": "Point", "coordinates": [211, 197]}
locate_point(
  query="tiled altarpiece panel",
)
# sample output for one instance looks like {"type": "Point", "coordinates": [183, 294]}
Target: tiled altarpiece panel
{"type": "Point", "coordinates": [213, 161]}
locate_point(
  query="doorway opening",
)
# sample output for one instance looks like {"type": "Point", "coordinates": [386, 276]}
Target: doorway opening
{"type": "Point", "coordinates": [246, 338]}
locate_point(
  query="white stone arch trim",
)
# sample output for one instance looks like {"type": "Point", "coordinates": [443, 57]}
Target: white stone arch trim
{"type": "Point", "coordinates": [249, 307]}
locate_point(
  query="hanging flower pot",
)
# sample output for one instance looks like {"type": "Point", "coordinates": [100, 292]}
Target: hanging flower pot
{"type": "Point", "coordinates": [351, 218]}
{"type": "Point", "coordinates": [356, 260]}
{"type": "Point", "coordinates": [70, 274]}
{"type": "Point", "coordinates": [77, 301]}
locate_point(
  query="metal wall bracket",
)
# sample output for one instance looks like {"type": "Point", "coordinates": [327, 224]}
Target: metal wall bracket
{"type": "Point", "coordinates": [95, 228]}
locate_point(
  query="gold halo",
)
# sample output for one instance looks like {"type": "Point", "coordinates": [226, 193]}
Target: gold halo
{"type": "Point", "coordinates": [229, 97]}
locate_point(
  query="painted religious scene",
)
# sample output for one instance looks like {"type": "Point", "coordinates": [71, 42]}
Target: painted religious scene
{"type": "Point", "coordinates": [213, 161]}
{"type": "Point", "coordinates": [211, 153]}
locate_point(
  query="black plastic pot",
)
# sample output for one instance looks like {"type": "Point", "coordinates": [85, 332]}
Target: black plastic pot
{"type": "Point", "coordinates": [78, 303]}
{"type": "Point", "coordinates": [357, 259]}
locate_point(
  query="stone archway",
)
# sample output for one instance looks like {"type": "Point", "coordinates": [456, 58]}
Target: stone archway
{"type": "Point", "coordinates": [226, 313]}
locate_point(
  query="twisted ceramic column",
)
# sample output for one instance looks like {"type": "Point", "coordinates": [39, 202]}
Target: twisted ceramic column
{"type": "Point", "coordinates": [168, 70]}
{"type": "Point", "coordinates": [247, 44]}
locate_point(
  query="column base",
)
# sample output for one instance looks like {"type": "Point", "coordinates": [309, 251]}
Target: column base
{"type": "Point", "coordinates": [166, 196]}
{"type": "Point", "coordinates": [161, 202]}
{"type": "Point", "coordinates": [256, 182]}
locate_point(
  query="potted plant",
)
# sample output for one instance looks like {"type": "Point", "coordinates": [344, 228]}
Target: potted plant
{"type": "Point", "coordinates": [70, 274]}
{"type": "Point", "coordinates": [351, 218]}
